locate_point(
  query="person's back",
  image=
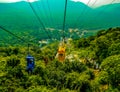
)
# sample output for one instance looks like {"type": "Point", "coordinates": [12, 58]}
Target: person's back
{"type": "Point", "coordinates": [31, 65]}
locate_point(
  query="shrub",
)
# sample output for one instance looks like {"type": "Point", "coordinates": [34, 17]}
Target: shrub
{"type": "Point", "coordinates": [12, 62]}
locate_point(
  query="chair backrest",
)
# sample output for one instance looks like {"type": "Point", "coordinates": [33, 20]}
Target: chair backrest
{"type": "Point", "coordinates": [30, 60]}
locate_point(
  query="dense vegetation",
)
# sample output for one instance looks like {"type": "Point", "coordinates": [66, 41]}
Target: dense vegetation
{"type": "Point", "coordinates": [92, 65]}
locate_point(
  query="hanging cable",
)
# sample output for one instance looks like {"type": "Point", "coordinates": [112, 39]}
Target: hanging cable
{"type": "Point", "coordinates": [103, 9]}
{"type": "Point", "coordinates": [62, 46]}
{"type": "Point", "coordinates": [12, 34]}
{"type": "Point", "coordinates": [64, 18]}
{"type": "Point", "coordinates": [4, 29]}
{"type": "Point", "coordinates": [46, 13]}
{"type": "Point", "coordinates": [40, 11]}
{"type": "Point", "coordinates": [101, 12]}
{"type": "Point", "coordinates": [39, 19]}
{"type": "Point", "coordinates": [88, 11]}
{"type": "Point", "coordinates": [50, 15]}
{"type": "Point", "coordinates": [18, 37]}
{"type": "Point", "coordinates": [83, 11]}
{"type": "Point", "coordinates": [25, 41]}
{"type": "Point", "coordinates": [94, 3]}
{"type": "Point", "coordinates": [96, 14]}
{"type": "Point", "coordinates": [50, 12]}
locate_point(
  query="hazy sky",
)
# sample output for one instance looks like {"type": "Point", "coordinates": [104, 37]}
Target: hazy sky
{"type": "Point", "coordinates": [92, 3]}
{"type": "Point", "coordinates": [9, 1]}
{"type": "Point", "coordinates": [97, 3]}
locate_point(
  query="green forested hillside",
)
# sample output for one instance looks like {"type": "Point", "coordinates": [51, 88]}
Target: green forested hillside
{"type": "Point", "coordinates": [20, 18]}
{"type": "Point", "coordinates": [92, 65]}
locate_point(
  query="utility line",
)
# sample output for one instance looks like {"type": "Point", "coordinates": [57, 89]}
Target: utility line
{"type": "Point", "coordinates": [83, 11]}
{"type": "Point", "coordinates": [50, 13]}
{"type": "Point", "coordinates": [88, 11]}
{"type": "Point", "coordinates": [39, 19]}
{"type": "Point", "coordinates": [12, 34]}
{"type": "Point", "coordinates": [64, 18]}
{"type": "Point", "coordinates": [101, 12]}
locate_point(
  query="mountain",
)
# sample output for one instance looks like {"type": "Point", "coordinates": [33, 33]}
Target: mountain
{"type": "Point", "coordinates": [108, 15]}
{"type": "Point", "coordinates": [20, 17]}
{"type": "Point", "coordinates": [91, 65]}
{"type": "Point", "coordinates": [23, 11]}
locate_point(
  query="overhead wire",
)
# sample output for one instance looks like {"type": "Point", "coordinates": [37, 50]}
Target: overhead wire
{"type": "Point", "coordinates": [43, 26]}
{"type": "Point", "coordinates": [97, 13]}
{"type": "Point", "coordinates": [37, 18]}
{"type": "Point", "coordinates": [88, 11]}
{"type": "Point", "coordinates": [46, 13]}
{"type": "Point", "coordinates": [41, 3]}
{"type": "Point", "coordinates": [83, 11]}
{"type": "Point", "coordinates": [12, 34]}
{"type": "Point", "coordinates": [18, 37]}
{"type": "Point", "coordinates": [50, 12]}
{"type": "Point", "coordinates": [101, 12]}
{"type": "Point", "coordinates": [94, 2]}
{"type": "Point", "coordinates": [39, 11]}
{"type": "Point", "coordinates": [50, 17]}
{"type": "Point", "coordinates": [61, 50]}
{"type": "Point", "coordinates": [64, 21]}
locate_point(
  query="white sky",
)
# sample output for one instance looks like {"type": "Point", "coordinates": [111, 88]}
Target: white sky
{"type": "Point", "coordinates": [98, 2]}
{"type": "Point", "coordinates": [91, 2]}
{"type": "Point", "coordinates": [10, 1]}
